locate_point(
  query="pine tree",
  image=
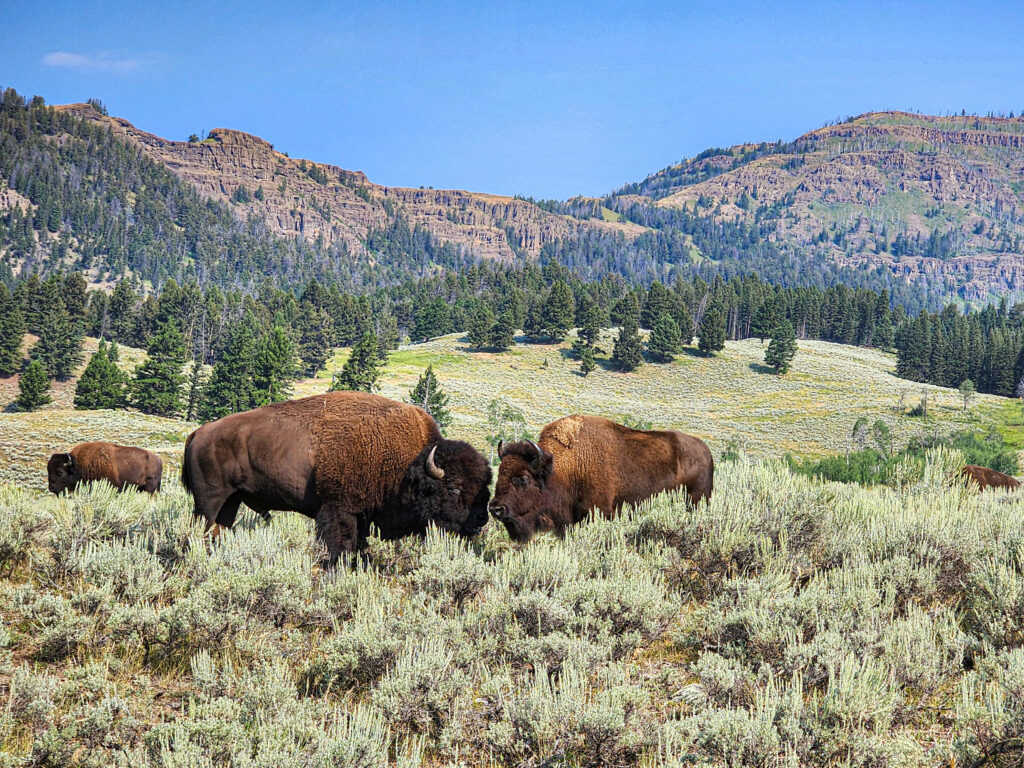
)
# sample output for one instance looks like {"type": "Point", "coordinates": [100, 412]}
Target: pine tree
{"type": "Point", "coordinates": [782, 348]}
{"type": "Point", "coordinates": [480, 325]}
{"type": "Point", "coordinates": [766, 319]}
{"type": "Point", "coordinates": [156, 388]}
{"type": "Point", "coordinates": [230, 389]}
{"type": "Point", "coordinates": [59, 347]}
{"type": "Point", "coordinates": [658, 303]}
{"type": "Point", "coordinates": [503, 332]}
{"type": "Point", "coordinates": [363, 368]}
{"type": "Point", "coordinates": [12, 331]}
{"type": "Point", "coordinates": [315, 330]}
{"type": "Point", "coordinates": [274, 367]}
{"type": "Point", "coordinates": [587, 363]}
{"type": "Point", "coordinates": [684, 320]}
{"type": "Point", "coordinates": [589, 319]}
{"type": "Point", "coordinates": [712, 331]}
{"type": "Point", "coordinates": [559, 311]}
{"type": "Point", "coordinates": [967, 392]}
{"type": "Point", "coordinates": [432, 319]}
{"type": "Point", "coordinates": [628, 354]}
{"type": "Point", "coordinates": [665, 341]}
{"type": "Point", "coordinates": [33, 387]}
{"type": "Point", "coordinates": [102, 385]}
{"type": "Point", "coordinates": [195, 390]}
{"type": "Point", "coordinates": [429, 396]}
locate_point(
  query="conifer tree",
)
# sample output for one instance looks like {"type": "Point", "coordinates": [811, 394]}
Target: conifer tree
{"type": "Point", "coordinates": [230, 389]}
{"type": "Point", "coordinates": [589, 320]}
{"type": "Point", "coordinates": [102, 385]}
{"type": "Point", "coordinates": [559, 311]}
{"type": "Point", "coordinates": [533, 322]}
{"type": "Point", "coordinates": [665, 341]}
{"type": "Point", "coordinates": [156, 388]}
{"type": "Point", "coordinates": [628, 354]}
{"type": "Point", "coordinates": [33, 387]}
{"type": "Point", "coordinates": [196, 382]}
{"type": "Point", "coordinates": [658, 303]}
{"type": "Point", "coordinates": [363, 368]}
{"type": "Point", "coordinates": [59, 348]}
{"type": "Point", "coordinates": [429, 396]}
{"type": "Point", "coordinates": [967, 392]}
{"type": "Point", "coordinates": [274, 367]}
{"type": "Point", "coordinates": [711, 331]}
{"type": "Point", "coordinates": [12, 331]}
{"type": "Point", "coordinates": [432, 319]}
{"type": "Point", "coordinates": [503, 332]}
{"type": "Point", "coordinates": [782, 348]}
{"type": "Point", "coordinates": [684, 320]}
{"type": "Point", "coordinates": [480, 325]}
{"type": "Point", "coordinates": [316, 330]}
{"type": "Point", "coordinates": [766, 319]}
{"type": "Point", "coordinates": [587, 363]}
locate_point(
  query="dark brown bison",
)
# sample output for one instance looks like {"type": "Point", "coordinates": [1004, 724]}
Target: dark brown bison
{"type": "Point", "coordinates": [988, 478]}
{"type": "Point", "coordinates": [346, 459]}
{"type": "Point", "coordinates": [120, 465]}
{"type": "Point", "coordinates": [586, 462]}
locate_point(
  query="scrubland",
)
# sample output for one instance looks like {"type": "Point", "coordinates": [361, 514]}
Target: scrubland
{"type": "Point", "coordinates": [788, 622]}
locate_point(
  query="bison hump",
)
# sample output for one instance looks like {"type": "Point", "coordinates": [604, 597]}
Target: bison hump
{"type": "Point", "coordinates": [564, 430]}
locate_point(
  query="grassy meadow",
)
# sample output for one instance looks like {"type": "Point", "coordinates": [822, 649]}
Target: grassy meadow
{"type": "Point", "coordinates": [788, 622]}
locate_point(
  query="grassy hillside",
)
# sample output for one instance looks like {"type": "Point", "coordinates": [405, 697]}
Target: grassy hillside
{"type": "Point", "coordinates": [789, 623]}
{"type": "Point", "coordinates": [728, 399]}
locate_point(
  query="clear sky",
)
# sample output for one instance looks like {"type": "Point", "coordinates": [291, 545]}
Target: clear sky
{"type": "Point", "coordinates": [549, 99]}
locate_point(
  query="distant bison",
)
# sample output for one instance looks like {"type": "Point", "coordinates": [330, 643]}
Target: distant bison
{"type": "Point", "coordinates": [120, 465]}
{"type": "Point", "coordinates": [988, 478]}
{"type": "Point", "coordinates": [346, 459]}
{"type": "Point", "coordinates": [586, 462]}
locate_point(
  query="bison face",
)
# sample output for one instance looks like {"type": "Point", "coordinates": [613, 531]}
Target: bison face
{"type": "Point", "coordinates": [63, 473]}
{"type": "Point", "coordinates": [521, 496]}
{"type": "Point", "coordinates": [448, 484]}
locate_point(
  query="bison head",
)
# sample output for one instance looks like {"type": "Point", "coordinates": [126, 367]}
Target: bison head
{"type": "Point", "coordinates": [63, 473]}
{"type": "Point", "coordinates": [448, 484]}
{"type": "Point", "coordinates": [521, 496]}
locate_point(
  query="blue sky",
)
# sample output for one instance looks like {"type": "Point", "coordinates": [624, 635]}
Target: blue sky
{"type": "Point", "coordinates": [545, 99]}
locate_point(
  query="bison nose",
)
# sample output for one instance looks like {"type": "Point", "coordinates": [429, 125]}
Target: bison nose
{"type": "Point", "coordinates": [499, 511]}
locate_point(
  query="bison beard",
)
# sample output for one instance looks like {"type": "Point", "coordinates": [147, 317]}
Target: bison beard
{"type": "Point", "coordinates": [349, 460]}
{"type": "Point", "coordinates": [120, 465]}
{"type": "Point", "coordinates": [586, 463]}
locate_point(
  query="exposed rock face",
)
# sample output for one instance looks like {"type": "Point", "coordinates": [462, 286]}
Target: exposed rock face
{"type": "Point", "coordinates": [314, 200]}
{"type": "Point", "coordinates": [851, 189]}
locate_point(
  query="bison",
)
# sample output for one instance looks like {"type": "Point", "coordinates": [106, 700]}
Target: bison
{"type": "Point", "coordinates": [122, 466]}
{"type": "Point", "coordinates": [988, 478]}
{"type": "Point", "coordinates": [586, 462]}
{"type": "Point", "coordinates": [345, 459]}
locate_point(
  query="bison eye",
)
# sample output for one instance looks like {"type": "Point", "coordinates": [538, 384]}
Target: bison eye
{"type": "Point", "coordinates": [521, 481]}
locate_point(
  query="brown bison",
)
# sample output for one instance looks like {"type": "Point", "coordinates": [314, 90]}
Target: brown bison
{"type": "Point", "coordinates": [988, 478]}
{"type": "Point", "coordinates": [586, 462]}
{"type": "Point", "coordinates": [120, 465]}
{"type": "Point", "coordinates": [346, 459]}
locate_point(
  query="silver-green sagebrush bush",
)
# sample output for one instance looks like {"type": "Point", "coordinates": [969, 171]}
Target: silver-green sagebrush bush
{"type": "Point", "coordinates": [785, 623]}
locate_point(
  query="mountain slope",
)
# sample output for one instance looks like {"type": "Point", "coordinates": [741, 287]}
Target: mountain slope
{"type": "Point", "coordinates": [325, 203]}
{"type": "Point", "coordinates": [935, 198]}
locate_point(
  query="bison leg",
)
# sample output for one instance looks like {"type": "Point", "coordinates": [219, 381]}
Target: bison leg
{"type": "Point", "coordinates": [338, 529]}
{"type": "Point", "coordinates": [228, 511]}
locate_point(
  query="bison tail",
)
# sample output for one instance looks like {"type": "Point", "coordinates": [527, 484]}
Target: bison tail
{"type": "Point", "coordinates": [186, 476]}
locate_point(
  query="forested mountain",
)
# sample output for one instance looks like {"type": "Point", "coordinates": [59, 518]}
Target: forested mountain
{"type": "Point", "coordinates": [938, 199]}
{"type": "Point", "coordinates": [925, 209]}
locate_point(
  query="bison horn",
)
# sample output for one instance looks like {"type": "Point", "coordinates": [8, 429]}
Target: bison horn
{"type": "Point", "coordinates": [540, 453]}
{"type": "Point", "coordinates": [432, 469]}
{"type": "Point", "coordinates": [501, 449]}
{"type": "Point", "coordinates": [70, 460]}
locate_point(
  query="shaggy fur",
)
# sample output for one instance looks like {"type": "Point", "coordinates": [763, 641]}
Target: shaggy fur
{"type": "Point", "coordinates": [586, 463]}
{"type": "Point", "coordinates": [988, 478]}
{"type": "Point", "coordinates": [122, 466]}
{"type": "Point", "coordinates": [347, 459]}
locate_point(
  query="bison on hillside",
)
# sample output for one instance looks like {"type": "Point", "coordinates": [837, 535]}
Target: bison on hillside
{"type": "Point", "coordinates": [120, 465]}
{"type": "Point", "coordinates": [988, 478]}
{"type": "Point", "coordinates": [586, 462]}
{"type": "Point", "coordinates": [348, 460]}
